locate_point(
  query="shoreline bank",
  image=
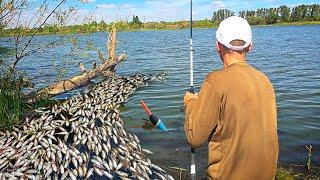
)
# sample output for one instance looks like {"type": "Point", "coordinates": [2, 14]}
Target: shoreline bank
{"type": "Point", "coordinates": [81, 138]}
{"type": "Point", "coordinates": [22, 33]}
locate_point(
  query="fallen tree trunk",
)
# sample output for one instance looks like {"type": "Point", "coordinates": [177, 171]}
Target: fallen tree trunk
{"type": "Point", "coordinates": [106, 68]}
{"type": "Point", "coordinates": [77, 81]}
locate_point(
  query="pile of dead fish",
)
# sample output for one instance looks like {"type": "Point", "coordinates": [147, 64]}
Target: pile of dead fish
{"type": "Point", "coordinates": [83, 138]}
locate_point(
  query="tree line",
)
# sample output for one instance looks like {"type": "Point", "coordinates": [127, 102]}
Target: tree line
{"type": "Point", "coordinates": [273, 15]}
{"type": "Point", "coordinates": [305, 14]}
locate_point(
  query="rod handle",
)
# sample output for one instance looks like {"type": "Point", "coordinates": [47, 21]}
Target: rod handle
{"type": "Point", "coordinates": [145, 107]}
{"type": "Point", "coordinates": [193, 165]}
{"type": "Point", "coordinates": [192, 89]}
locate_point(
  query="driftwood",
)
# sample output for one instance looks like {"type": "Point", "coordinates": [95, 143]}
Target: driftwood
{"type": "Point", "coordinates": [112, 44]}
{"type": "Point", "coordinates": [106, 68]}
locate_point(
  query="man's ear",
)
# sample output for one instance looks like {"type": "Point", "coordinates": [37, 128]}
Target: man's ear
{"type": "Point", "coordinates": [250, 47]}
{"type": "Point", "coordinates": [218, 48]}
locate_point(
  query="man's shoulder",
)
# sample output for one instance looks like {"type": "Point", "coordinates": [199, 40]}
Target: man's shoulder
{"type": "Point", "coordinates": [215, 75]}
{"type": "Point", "coordinates": [230, 75]}
{"type": "Point", "coordinates": [261, 75]}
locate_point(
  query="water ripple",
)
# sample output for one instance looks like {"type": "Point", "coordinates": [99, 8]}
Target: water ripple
{"type": "Point", "coordinates": [288, 55]}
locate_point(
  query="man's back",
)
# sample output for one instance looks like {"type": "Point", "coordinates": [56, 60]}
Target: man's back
{"type": "Point", "coordinates": [245, 144]}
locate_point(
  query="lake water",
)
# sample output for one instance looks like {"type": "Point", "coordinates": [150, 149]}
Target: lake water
{"type": "Point", "coordinates": [289, 55]}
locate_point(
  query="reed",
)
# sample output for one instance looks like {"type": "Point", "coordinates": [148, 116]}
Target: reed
{"type": "Point", "coordinates": [11, 103]}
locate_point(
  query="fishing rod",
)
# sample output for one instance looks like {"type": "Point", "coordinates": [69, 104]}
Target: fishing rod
{"type": "Point", "coordinates": [193, 156]}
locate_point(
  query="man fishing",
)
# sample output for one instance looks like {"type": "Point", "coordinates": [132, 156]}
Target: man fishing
{"type": "Point", "coordinates": [236, 111]}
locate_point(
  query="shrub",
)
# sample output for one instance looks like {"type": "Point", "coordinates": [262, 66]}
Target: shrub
{"type": "Point", "coordinates": [11, 103]}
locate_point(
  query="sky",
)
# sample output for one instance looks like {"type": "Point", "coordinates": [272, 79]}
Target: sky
{"type": "Point", "coordinates": [168, 10]}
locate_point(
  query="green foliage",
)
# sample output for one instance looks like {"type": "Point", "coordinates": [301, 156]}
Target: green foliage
{"type": "Point", "coordinates": [302, 14]}
{"type": "Point", "coordinates": [136, 23]}
{"type": "Point", "coordinates": [120, 25]}
{"type": "Point", "coordinates": [282, 14]}
{"type": "Point", "coordinates": [135, 20]}
{"type": "Point", "coordinates": [13, 107]}
{"type": "Point", "coordinates": [55, 29]}
{"type": "Point", "coordinates": [296, 171]}
{"type": "Point", "coordinates": [11, 103]}
{"type": "Point", "coordinates": [5, 51]}
{"type": "Point", "coordinates": [283, 174]}
{"type": "Point", "coordinates": [256, 20]}
{"type": "Point", "coordinates": [203, 23]}
{"type": "Point", "coordinates": [272, 17]}
{"type": "Point", "coordinates": [45, 103]}
{"type": "Point", "coordinates": [221, 14]}
{"type": "Point", "coordinates": [315, 12]}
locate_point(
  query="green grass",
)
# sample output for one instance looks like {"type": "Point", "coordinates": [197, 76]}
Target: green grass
{"type": "Point", "coordinates": [284, 174]}
{"type": "Point", "coordinates": [87, 28]}
{"type": "Point", "coordinates": [5, 51]}
{"type": "Point", "coordinates": [297, 171]}
{"type": "Point", "coordinates": [11, 104]}
{"type": "Point", "coordinates": [299, 23]}
{"type": "Point", "coordinates": [13, 107]}
{"type": "Point", "coordinates": [47, 102]}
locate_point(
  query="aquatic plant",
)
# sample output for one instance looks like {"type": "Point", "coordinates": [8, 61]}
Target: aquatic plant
{"type": "Point", "coordinates": [11, 102]}
{"type": "Point", "coordinates": [309, 162]}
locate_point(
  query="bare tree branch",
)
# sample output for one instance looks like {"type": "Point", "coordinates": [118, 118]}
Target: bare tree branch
{"type": "Point", "coordinates": [112, 44]}
{"type": "Point", "coordinates": [21, 54]}
{"type": "Point", "coordinates": [8, 10]}
{"type": "Point", "coordinates": [36, 13]}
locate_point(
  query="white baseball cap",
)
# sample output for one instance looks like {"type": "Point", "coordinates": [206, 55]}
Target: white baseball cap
{"type": "Point", "coordinates": [234, 28]}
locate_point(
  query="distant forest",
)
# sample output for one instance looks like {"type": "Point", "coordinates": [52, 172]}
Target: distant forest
{"type": "Point", "coordinates": [264, 16]}
{"type": "Point", "coordinates": [302, 14]}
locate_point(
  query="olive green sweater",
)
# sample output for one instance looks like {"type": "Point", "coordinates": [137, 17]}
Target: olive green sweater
{"type": "Point", "coordinates": [240, 102]}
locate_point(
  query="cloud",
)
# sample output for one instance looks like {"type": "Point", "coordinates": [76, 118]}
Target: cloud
{"type": "Point", "coordinates": [169, 10]}
{"type": "Point", "coordinates": [156, 10]}
{"type": "Point", "coordinates": [127, 6]}
{"type": "Point", "coordinates": [106, 6]}
{"type": "Point", "coordinates": [165, 10]}
{"type": "Point", "coordinates": [87, 1]}
{"type": "Point", "coordinates": [218, 4]}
